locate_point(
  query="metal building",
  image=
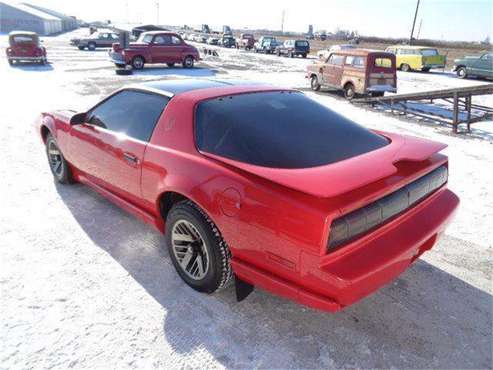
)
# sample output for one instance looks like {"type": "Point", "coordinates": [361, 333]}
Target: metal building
{"type": "Point", "coordinates": [68, 22]}
{"type": "Point", "coordinates": [22, 17]}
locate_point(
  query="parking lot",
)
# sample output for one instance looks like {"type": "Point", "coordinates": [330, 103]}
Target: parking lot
{"type": "Point", "coordinates": [83, 284]}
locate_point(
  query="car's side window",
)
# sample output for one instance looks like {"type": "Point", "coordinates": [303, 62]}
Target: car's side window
{"type": "Point", "coordinates": [130, 112]}
{"type": "Point", "coordinates": [162, 40]}
{"type": "Point", "coordinates": [175, 40]}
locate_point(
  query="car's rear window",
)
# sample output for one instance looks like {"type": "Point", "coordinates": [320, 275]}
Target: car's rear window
{"type": "Point", "coordinates": [24, 39]}
{"type": "Point", "coordinates": [301, 43]}
{"type": "Point", "coordinates": [383, 62]}
{"type": "Point", "coordinates": [279, 130]}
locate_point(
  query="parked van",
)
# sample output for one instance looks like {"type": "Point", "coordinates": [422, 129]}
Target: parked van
{"type": "Point", "coordinates": [417, 58]}
{"type": "Point", "coordinates": [355, 71]}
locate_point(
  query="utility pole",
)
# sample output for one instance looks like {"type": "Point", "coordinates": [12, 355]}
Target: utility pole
{"type": "Point", "coordinates": [157, 12]}
{"type": "Point", "coordinates": [419, 28]}
{"type": "Point", "coordinates": [282, 20]}
{"type": "Point", "coordinates": [414, 22]}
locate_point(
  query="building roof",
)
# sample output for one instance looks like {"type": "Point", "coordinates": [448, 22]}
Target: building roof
{"type": "Point", "coordinates": [27, 9]}
{"type": "Point", "coordinates": [49, 11]}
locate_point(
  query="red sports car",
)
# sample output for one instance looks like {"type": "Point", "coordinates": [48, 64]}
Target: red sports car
{"type": "Point", "coordinates": [261, 183]}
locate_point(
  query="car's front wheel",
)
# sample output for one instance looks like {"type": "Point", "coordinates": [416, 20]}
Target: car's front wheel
{"type": "Point", "coordinates": [198, 252]}
{"type": "Point", "coordinates": [138, 62]}
{"type": "Point", "coordinates": [314, 84]}
{"type": "Point", "coordinates": [461, 72]}
{"type": "Point", "coordinates": [58, 165]}
{"type": "Point", "coordinates": [349, 92]}
{"type": "Point", "coordinates": [188, 62]}
{"type": "Point", "coordinates": [91, 46]}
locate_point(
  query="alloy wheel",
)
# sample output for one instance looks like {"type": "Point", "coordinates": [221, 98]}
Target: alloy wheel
{"type": "Point", "coordinates": [56, 159]}
{"type": "Point", "coordinates": [190, 250]}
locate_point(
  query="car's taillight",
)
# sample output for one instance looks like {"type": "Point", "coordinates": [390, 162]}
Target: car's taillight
{"type": "Point", "coordinates": [356, 223]}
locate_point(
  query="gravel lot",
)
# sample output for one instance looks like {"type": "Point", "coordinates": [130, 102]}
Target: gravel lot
{"type": "Point", "coordinates": [85, 285]}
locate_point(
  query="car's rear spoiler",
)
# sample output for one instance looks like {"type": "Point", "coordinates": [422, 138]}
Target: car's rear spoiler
{"type": "Point", "coordinates": [341, 177]}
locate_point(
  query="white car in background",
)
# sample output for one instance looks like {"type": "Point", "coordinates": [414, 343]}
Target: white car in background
{"type": "Point", "coordinates": [324, 53]}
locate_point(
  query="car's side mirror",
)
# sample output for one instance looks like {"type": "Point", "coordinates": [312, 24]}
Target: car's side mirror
{"type": "Point", "coordinates": [78, 119]}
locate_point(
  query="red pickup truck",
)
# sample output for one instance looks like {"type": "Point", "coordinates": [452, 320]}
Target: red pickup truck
{"type": "Point", "coordinates": [155, 47]}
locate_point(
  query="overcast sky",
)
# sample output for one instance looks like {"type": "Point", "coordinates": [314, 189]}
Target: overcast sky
{"type": "Point", "coordinates": [470, 20]}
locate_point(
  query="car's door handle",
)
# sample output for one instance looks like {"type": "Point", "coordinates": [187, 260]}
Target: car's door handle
{"type": "Point", "coordinates": [130, 158]}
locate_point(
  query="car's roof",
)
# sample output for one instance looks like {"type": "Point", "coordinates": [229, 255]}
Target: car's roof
{"type": "Point", "coordinates": [176, 87]}
{"type": "Point", "coordinates": [412, 47]}
{"type": "Point", "coordinates": [159, 32]}
{"type": "Point", "coordinates": [26, 33]}
{"type": "Point", "coordinates": [359, 52]}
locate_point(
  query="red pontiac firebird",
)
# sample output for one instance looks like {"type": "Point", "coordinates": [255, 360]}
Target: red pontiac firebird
{"type": "Point", "coordinates": [259, 183]}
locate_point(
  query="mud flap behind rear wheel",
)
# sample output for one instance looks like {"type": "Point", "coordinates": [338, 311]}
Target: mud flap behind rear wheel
{"type": "Point", "coordinates": [243, 289]}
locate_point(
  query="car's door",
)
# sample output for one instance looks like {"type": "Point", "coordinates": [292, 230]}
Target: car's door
{"type": "Point", "coordinates": [114, 138]}
{"type": "Point", "coordinates": [483, 66]}
{"type": "Point", "coordinates": [166, 49]}
{"type": "Point", "coordinates": [332, 72]}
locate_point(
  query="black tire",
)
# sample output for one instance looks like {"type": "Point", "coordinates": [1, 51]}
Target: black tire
{"type": "Point", "coordinates": [42, 62]}
{"type": "Point", "coordinates": [138, 62]}
{"type": "Point", "coordinates": [80, 47]}
{"type": "Point", "coordinates": [91, 46]}
{"type": "Point", "coordinates": [59, 168]}
{"type": "Point", "coordinates": [123, 71]}
{"type": "Point", "coordinates": [11, 62]}
{"type": "Point", "coordinates": [349, 92]}
{"type": "Point", "coordinates": [278, 53]}
{"type": "Point", "coordinates": [461, 72]}
{"type": "Point", "coordinates": [405, 67]}
{"type": "Point", "coordinates": [304, 55]}
{"type": "Point", "coordinates": [170, 65]}
{"type": "Point", "coordinates": [314, 84]}
{"type": "Point", "coordinates": [188, 62]}
{"type": "Point", "coordinates": [426, 69]}
{"type": "Point", "coordinates": [218, 272]}
{"type": "Point", "coordinates": [291, 55]}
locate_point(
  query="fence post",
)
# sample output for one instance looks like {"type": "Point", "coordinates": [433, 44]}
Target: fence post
{"type": "Point", "coordinates": [455, 121]}
{"type": "Point", "coordinates": [468, 108]}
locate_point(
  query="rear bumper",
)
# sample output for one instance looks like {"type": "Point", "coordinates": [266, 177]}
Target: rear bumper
{"type": "Point", "coordinates": [30, 59]}
{"type": "Point", "coordinates": [381, 88]}
{"type": "Point", "coordinates": [339, 279]}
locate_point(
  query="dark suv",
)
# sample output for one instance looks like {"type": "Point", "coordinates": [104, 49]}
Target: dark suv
{"type": "Point", "coordinates": [293, 48]}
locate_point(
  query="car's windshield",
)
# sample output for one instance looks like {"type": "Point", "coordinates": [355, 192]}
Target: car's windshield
{"type": "Point", "coordinates": [279, 130]}
{"type": "Point", "coordinates": [429, 52]}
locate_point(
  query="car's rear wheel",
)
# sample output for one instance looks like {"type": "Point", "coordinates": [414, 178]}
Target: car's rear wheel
{"type": "Point", "coordinates": [425, 69]}
{"type": "Point", "coordinates": [405, 67]}
{"type": "Point", "coordinates": [198, 252]}
{"type": "Point", "coordinates": [80, 47]}
{"type": "Point", "coordinates": [314, 84]}
{"type": "Point", "coordinates": [188, 62]}
{"type": "Point", "coordinates": [138, 62]}
{"type": "Point", "coordinates": [461, 72]}
{"type": "Point", "coordinates": [91, 46]}
{"type": "Point", "coordinates": [58, 165]}
{"type": "Point", "coordinates": [170, 65]}
{"type": "Point", "coordinates": [349, 92]}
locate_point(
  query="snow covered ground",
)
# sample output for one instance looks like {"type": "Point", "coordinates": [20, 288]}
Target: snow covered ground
{"type": "Point", "coordinates": [85, 285]}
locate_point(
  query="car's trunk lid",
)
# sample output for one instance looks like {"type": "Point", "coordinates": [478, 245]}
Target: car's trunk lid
{"type": "Point", "coordinates": [349, 174]}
